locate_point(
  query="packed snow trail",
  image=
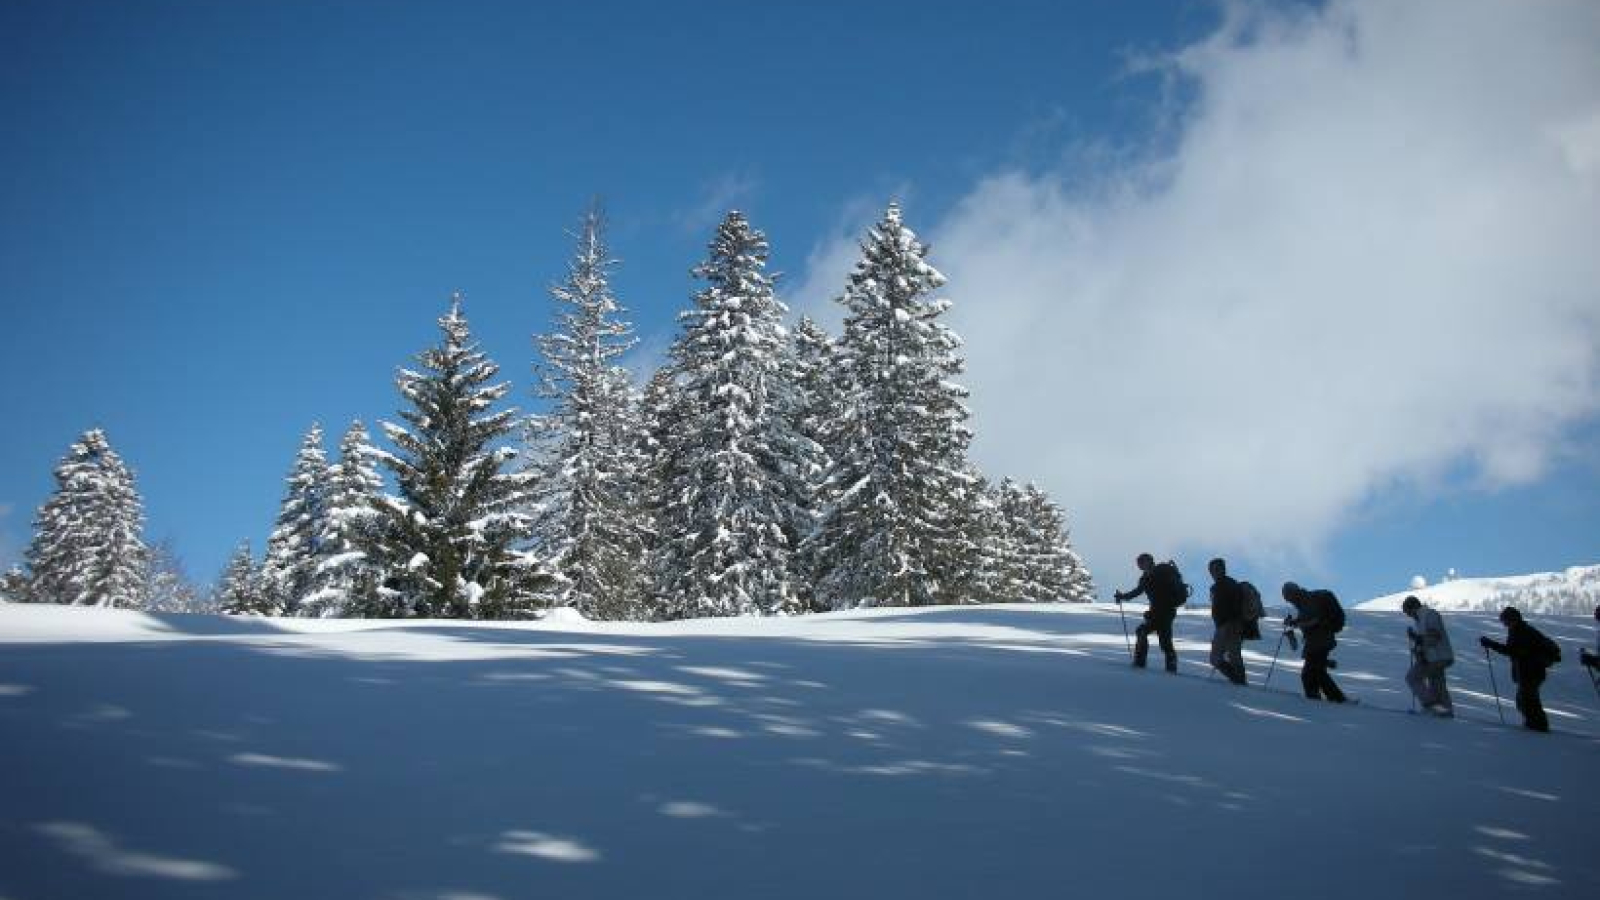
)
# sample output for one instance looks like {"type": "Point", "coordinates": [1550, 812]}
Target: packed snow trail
{"type": "Point", "coordinates": [954, 752]}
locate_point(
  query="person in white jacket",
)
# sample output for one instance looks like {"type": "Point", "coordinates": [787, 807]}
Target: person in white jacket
{"type": "Point", "coordinates": [1430, 656]}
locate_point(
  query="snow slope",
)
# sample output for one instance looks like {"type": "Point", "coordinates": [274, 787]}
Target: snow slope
{"type": "Point", "coordinates": [1575, 592]}
{"type": "Point", "coordinates": [956, 752]}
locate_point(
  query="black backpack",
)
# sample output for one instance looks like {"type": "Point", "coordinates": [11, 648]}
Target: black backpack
{"type": "Point", "coordinates": [1167, 584]}
{"type": "Point", "coordinates": [1251, 598]}
{"type": "Point", "coordinates": [1549, 651]}
{"type": "Point", "coordinates": [1332, 612]}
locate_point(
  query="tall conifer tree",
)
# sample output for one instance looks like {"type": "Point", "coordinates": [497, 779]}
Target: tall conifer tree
{"type": "Point", "coordinates": [88, 548]}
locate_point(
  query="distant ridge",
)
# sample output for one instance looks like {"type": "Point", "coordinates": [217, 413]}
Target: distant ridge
{"type": "Point", "coordinates": [1574, 592]}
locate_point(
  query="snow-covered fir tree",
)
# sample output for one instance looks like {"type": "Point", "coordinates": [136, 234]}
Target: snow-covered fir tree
{"type": "Point", "coordinates": [239, 590]}
{"type": "Point", "coordinates": [901, 495]}
{"type": "Point", "coordinates": [168, 587]}
{"type": "Point", "coordinates": [736, 466]}
{"type": "Point", "coordinates": [452, 540]}
{"type": "Point", "coordinates": [1037, 561]}
{"type": "Point", "coordinates": [348, 579]}
{"type": "Point", "coordinates": [585, 456]}
{"type": "Point", "coordinates": [14, 586]}
{"type": "Point", "coordinates": [295, 550]}
{"type": "Point", "coordinates": [87, 548]}
{"type": "Point", "coordinates": [816, 382]}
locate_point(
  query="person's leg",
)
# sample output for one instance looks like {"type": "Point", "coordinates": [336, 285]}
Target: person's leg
{"type": "Point", "coordinates": [1141, 645]}
{"type": "Point", "coordinates": [1417, 680]}
{"type": "Point", "coordinates": [1313, 671]}
{"type": "Point", "coordinates": [1320, 679]}
{"type": "Point", "coordinates": [1529, 704]}
{"type": "Point", "coordinates": [1164, 633]}
{"type": "Point", "coordinates": [1441, 689]}
{"type": "Point", "coordinates": [1219, 658]}
{"type": "Point", "coordinates": [1233, 651]}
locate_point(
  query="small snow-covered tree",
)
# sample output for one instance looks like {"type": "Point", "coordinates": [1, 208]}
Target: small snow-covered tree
{"type": "Point", "coordinates": [585, 456]}
{"type": "Point", "coordinates": [14, 587]}
{"type": "Point", "coordinates": [291, 572]}
{"type": "Point", "coordinates": [816, 383]}
{"type": "Point", "coordinates": [239, 590]}
{"type": "Point", "coordinates": [735, 471]}
{"type": "Point", "coordinates": [168, 587]}
{"type": "Point", "coordinates": [901, 495]}
{"type": "Point", "coordinates": [87, 548]}
{"type": "Point", "coordinates": [348, 580]}
{"type": "Point", "coordinates": [1037, 561]}
{"type": "Point", "coordinates": [451, 538]}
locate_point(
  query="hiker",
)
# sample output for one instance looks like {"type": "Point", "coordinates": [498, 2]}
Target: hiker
{"type": "Point", "coordinates": [1531, 654]}
{"type": "Point", "coordinates": [1163, 586]}
{"type": "Point", "coordinates": [1319, 615]}
{"type": "Point", "coordinates": [1430, 656]}
{"type": "Point", "coordinates": [1227, 614]}
{"type": "Point", "coordinates": [1592, 660]}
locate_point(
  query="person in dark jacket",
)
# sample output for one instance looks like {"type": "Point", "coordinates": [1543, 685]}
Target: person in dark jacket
{"type": "Point", "coordinates": [1525, 646]}
{"type": "Point", "coordinates": [1227, 614]}
{"type": "Point", "coordinates": [1313, 615]}
{"type": "Point", "coordinates": [1592, 660]}
{"type": "Point", "coordinates": [1158, 618]}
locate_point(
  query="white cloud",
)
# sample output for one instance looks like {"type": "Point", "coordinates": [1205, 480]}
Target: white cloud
{"type": "Point", "coordinates": [717, 198]}
{"type": "Point", "coordinates": [1366, 259]}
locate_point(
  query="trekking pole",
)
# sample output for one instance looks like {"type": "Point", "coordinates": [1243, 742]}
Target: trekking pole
{"type": "Point", "coordinates": [1125, 639]}
{"type": "Point", "coordinates": [1594, 679]}
{"type": "Point", "coordinates": [1494, 686]}
{"type": "Point", "coordinates": [1275, 653]}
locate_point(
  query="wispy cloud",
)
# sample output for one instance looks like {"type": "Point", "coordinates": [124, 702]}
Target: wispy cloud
{"type": "Point", "coordinates": [1363, 259]}
{"type": "Point", "coordinates": [725, 192]}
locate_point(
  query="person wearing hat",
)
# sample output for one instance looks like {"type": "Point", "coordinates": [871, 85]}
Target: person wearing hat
{"type": "Point", "coordinates": [1526, 646]}
{"type": "Point", "coordinates": [1318, 615]}
{"type": "Point", "coordinates": [1430, 656]}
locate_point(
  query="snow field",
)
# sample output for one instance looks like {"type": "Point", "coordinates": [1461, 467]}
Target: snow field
{"type": "Point", "coordinates": [944, 752]}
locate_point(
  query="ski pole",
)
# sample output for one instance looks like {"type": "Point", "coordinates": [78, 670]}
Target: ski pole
{"type": "Point", "coordinates": [1594, 679]}
{"type": "Point", "coordinates": [1275, 653]}
{"type": "Point", "coordinates": [1494, 686]}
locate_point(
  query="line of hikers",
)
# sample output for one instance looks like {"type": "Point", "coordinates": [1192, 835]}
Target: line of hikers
{"type": "Point", "coordinates": [1236, 611]}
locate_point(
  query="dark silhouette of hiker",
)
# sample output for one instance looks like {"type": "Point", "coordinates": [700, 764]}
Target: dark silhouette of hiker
{"type": "Point", "coordinates": [1227, 614]}
{"type": "Point", "coordinates": [1531, 655]}
{"type": "Point", "coordinates": [1319, 617]}
{"type": "Point", "coordinates": [1431, 655]}
{"type": "Point", "coordinates": [1164, 590]}
{"type": "Point", "coordinates": [1592, 660]}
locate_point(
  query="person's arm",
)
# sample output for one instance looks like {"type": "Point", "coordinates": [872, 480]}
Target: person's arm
{"type": "Point", "coordinates": [1490, 643]}
{"type": "Point", "coordinates": [1144, 583]}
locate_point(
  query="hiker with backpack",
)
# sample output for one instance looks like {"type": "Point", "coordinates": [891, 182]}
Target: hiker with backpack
{"type": "Point", "coordinates": [1228, 615]}
{"type": "Point", "coordinates": [1431, 654]}
{"type": "Point", "coordinates": [1319, 617]}
{"type": "Point", "coordinates": [1163, 586]}
{"type": "Point", "coordinates": [1531, 654]}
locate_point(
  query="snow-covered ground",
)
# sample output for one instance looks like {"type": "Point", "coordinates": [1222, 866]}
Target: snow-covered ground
{"type": "Point", "coordinates": [971, 752]}
{"type": "Point", "coordinates": [1575, 592]}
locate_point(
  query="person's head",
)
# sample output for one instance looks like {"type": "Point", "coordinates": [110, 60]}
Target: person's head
{"type": "Point", "coordinates": [1510, 616]}
{"type": "Point", "coordinates": [1410, 605]}
{"type": "Point", "coordinates": [1292, 592]}
{"type": "Point", "coordinates": [1145, 562]}
{"type": "Point", "coordinates": [1218, 567]}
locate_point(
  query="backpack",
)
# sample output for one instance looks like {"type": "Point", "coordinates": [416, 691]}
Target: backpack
{"type": "Point", "coordinates": [1549, 652]}
{"type": "Point", "coordinates": [1168, 582]}
{"type": "Point", "coordinates": [1253, 610]}
{"type": "Point", "coordinates": [1332, 612]}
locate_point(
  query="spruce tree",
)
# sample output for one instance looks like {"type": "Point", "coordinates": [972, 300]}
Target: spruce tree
{"type": "Point", "coordinates": [295, 550]}
{"type": "Point", "coordinates": [736, 469]}
{"type": "Point", "coordinates": [349, 578]}
{"type": "Point", "coordinates": [1038, 562]}
{"type": "Point", "coordinates": [901, 495]}
{"type": "Point", "coordinates": [451, 540]}
{"type": "Point", "coordinates": [239, 590]}
{"type": "Point", "coordinates": [585, 458]}
{"type": "Point", "coordinates": [87, 548]}
{"type": "Point", "coordinates": [816, 381]}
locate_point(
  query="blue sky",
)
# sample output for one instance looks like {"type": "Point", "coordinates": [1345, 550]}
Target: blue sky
{"type": "Point", "coordinates": [223, 221]}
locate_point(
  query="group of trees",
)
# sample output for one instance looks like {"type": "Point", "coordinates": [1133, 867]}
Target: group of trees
{"type": "Point", "coordinates": [761, 470]}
